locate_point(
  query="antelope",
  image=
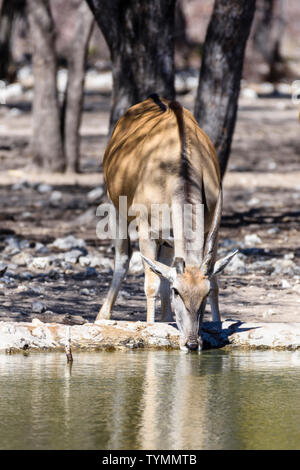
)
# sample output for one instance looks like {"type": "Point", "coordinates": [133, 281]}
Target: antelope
{"type": "Point", "coordinates": [158, 154]}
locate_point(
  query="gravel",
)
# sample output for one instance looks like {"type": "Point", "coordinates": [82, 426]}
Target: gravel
{"type": "Point", "coordinates": [38, 307]}
{"type": "Point", "coordinates": [68, 243]}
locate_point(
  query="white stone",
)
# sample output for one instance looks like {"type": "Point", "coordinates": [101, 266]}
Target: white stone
{"type": "Point", "coordinates": [22, 184]}
{"type": "Point", "coordinates": [267, 88]}
{"type": "Point", "coordinates": [192, 83]}
{"type": "Point", "coordinates": [86, 218]}
{"type": "Point", "coordinates": [272, 165]}
{"type": "Point", "coordinates": [69, 242]}
{"type": "Point", "coordinates": [268, 335]}
{"type": "Point", "coordinates": [285, 284]}
{"type": "Point", "coordinates": [40, 247]}
{"type": "Point", "coordinates": [62, 78]}
{"type": "Point", "coordinates": [25, 72]}
{"type": "Point", "coordinates": [98, 81]}
{"type": "Point", "coordinates": [237, 265]}
{"type": "Point", "coordinates": [125, 294]}
{"type": "Point", "coordinates": [22, 288]}
{"type": "Point", "coordinates": [284, 88]}
{"type": "Point", "coordinates": [22, 259]}
{"type": "Point", "coordinates": [249, 93]}
{"type": "Point", "coordinates": [95, 194]}
{"type": "Point", "coordinates": [12, 245]}
{"type": "Point", "coordinates": [55, 196]}
{"type": "Point", "coordinates": [36, 322]}
{"type": "Point", "coordinates": [254, 201]}
{"type": "Point", "coordinates": [289, 256]}
{"type": "Point", "coordinates": [296, 288]}
{"type": "Point", "coordinates": [11, 91]}
{"type": "Point", "coordinates": [24, 244]}
{"type": "Point", "coordinates": [72, 256]}
{"type": "Point", "coordinates": [252, 239]}
{"type": "Point", "coordinates": [102, 262]}
{"type": "Point", "coordinates": [283, 266]}
{"type": "Point", "coordinates": [85, 261]}
{"type": "Point", "coordinates": [14, 112]}
{"type": "Point", "coordinates": [273, 230]}
{"type": "Point", "coordinates": [40, 262]}
{"type": "Point", "coordinates": [44, 188]}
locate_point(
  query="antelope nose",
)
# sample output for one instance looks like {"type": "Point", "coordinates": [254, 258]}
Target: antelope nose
{"type": "Point", "coordinates": [192, 345]}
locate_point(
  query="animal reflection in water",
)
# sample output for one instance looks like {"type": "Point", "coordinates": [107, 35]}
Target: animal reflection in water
{"type": "Point", "coordinates": [150, 400]}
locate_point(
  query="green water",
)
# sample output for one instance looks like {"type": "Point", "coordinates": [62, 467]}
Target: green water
{"type": "Point", "coordinates": [151, 400]}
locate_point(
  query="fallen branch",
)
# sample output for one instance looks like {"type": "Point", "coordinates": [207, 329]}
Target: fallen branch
{"type": "Point", "coordinates": [68, 348]}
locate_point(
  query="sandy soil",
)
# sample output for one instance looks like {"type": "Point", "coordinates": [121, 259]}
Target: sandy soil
{"type": "Point", "coordinates": [261, 197]}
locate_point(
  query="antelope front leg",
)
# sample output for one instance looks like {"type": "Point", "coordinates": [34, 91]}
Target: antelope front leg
{"type": "Point", "coordinates": [214, 300]}
{"type": "Point", "coordinates": [152, 285]}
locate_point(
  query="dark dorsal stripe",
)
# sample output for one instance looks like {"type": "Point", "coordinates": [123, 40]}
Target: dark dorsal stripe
{"type": "Point", "coordinates": [157, 101]}
{"type": "Point", "coordinates": [178, 111]}
{"type": "Point", "coordinates": [185, 172]}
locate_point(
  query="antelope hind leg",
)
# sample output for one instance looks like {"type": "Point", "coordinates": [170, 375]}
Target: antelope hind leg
{"type": "Point", "coordinates": [122, 258]}
{"type": "Point", "coordinates": [214, 294]}
{"type": "Point", "coordinates": [214, 301]}
{"type": "Point", "coordinates": [149, 248]}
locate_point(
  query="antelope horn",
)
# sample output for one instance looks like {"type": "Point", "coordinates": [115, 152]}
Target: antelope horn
{"type": "Point", "coordinates": [212, 237]}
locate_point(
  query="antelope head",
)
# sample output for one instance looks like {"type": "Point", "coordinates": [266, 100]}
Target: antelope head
{"type": "Point", "coordinates": [191, 286]}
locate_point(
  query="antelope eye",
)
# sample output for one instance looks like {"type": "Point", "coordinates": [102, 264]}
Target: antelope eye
{"type": "Point", "coordinates": [175, 291]}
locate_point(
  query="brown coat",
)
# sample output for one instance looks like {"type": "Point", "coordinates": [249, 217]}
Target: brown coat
{"type": "Point", "coordinates": [158, 154]}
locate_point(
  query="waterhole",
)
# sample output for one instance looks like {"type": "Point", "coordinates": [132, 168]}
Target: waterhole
{"type": "Point", "coordinates": [151, 400]}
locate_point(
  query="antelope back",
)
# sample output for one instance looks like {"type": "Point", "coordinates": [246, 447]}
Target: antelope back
{"type": "Point", "coordinates": [143, 159]}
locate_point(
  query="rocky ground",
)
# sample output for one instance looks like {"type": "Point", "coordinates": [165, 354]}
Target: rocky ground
{"type": "Point", "coordinates": [111, 335]}
{"type": "Point", "coordinates": [59, 271]}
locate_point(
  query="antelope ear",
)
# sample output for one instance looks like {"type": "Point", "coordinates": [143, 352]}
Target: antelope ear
{"type": "Point", "coordinates": [161, 269]}
{"type": "Point", "coordinates": [222, 263]}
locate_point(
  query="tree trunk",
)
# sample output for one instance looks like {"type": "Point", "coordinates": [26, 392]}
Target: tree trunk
{"type": "Point", "coordinates": [74, 92]}
{"type": "Point", "coordinates": [183, 45]}
{"type": "Point", "coordinates": [6, 20]}
{"type": "Point", "coordinates": [221, 72]}
{"type": "Point", "coordinates": [140, 36]}
{"type": "Point", "coordinates": [268, 33]}
{"type": "Point", "coordinates": [46, 145]}
{"type": "Point", "coordinates": [9, 9]}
